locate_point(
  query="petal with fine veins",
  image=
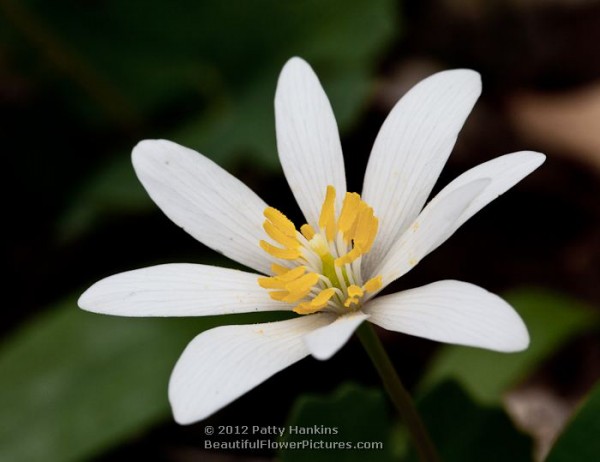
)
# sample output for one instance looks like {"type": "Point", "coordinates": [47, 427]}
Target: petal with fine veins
{"type": "Point", "coordinates": [433, 226]}
{"type": "Point", "coordinates": [222, 364]}
{"type": "Point", "coordinates": [501, 174]}
{"type": "Point", "coordinates": [205, 200]}
{"type": "Point", "coordinates": [504, 172]}
{"type": "Point", "coordinates": [324, 342]}
{"type": "Point", "coordinates": [411, 149]}
{"type": "Point", "coordinates": [307, 139]}
{"type": "Point", "coordinates": [179, 289]}
{"type": "Point", "coordinates": [452, 312]}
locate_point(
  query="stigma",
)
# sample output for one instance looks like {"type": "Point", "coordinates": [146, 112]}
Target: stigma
{"type": "Point", "coordinates": [320, 269]}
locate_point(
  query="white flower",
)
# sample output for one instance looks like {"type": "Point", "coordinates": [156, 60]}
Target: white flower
{"type": "Point", "coordinates": [330, 270]}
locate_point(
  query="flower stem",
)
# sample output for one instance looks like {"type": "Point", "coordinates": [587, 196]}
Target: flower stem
{"type": "Point", "coordinates": [398, 394]}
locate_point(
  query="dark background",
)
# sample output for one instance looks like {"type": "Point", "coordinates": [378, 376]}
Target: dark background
{"type": "Point", "coordinates": [82, 81]}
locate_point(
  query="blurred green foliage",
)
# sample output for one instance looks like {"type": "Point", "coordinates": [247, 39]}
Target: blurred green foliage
{"type": "Point", "coordinates": [74, 384]}
{"type": "Point", "coordinates": [149, 55]}
{"type": "Point", "coordinates": [462, 429]}
{"type": "Point", "coordinates": [465, 431]}
{"type": "Point", "coordinates": [358, 414]}
{"type": "Point", "coordinates": [580, 440]}
{"type": "Point", "coordinates": [214, 64]}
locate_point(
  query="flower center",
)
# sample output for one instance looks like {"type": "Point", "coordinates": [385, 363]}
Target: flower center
{"type": "Point", "coordinates": [320, 270]}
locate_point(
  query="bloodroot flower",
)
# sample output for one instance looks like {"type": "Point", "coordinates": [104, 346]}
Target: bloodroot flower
{"type": "Point", "coordinates": [329, 270]}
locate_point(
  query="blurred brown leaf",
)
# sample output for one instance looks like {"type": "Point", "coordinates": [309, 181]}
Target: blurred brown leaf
{"type": "Point", "coordinates": [567, 123]}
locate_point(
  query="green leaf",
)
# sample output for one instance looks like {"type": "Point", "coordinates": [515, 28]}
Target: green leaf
{"type": "Point", "coordinates": [153, 53]}
{"type": "Point", "coordinates": [463, 431]}
{"type": "Point", "coordinates": [552, 319]}
{"type": "Point", "coordinates": [580, 441]}
{"type": "Point", "coordinates": [73, 383]}
{"type": "Point", "coordinates": [222, 61]}
{"type": "Point", "coordinates": [352, 414]}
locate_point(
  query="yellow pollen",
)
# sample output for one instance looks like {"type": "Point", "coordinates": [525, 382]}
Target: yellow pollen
{"type": "Point", "coordinates": [279, 269]}
{"type": "Point", "coordinates": [280, 281]}
{"type": "Point", "coordinates": [366, 229]}
{"type": "Point", "coordinates": [280, 221]}
{"type": "Point", "coordinates": [373, 284]}
{"type": "Point", "coordinates": [354, 294]}
{"type": "Point", "coordinates": [279, 295]}
{"type": "Point", "coordinates": [292, 274]}
{"type": "Point", "coordinates": [307, 231]}
{"type": "Point", "coordinates": [317, 303]}
{"type": "Point", "coordinates": [300, 287]}
{"type": "Point", "coordinates": [350, 232]}
{"type": "Point", "coordinates": [349, 257]}
{"type": "Point", "coordinates": [317, 275]}
{"type": "Point", "coordinates": [284, 254]}
{"type": "Point", "coordinates": [351, 301]}
{"type": "Point", "coordinates": [327, 218]}
{"type": "Point", "coordinates": [277, 235]}
{"type": "Point", "coordinates": [355, 291]}
{"type": "Point", "coordinates": [358, 226]}
{"type": "Point", "coordinates": [349, 211]}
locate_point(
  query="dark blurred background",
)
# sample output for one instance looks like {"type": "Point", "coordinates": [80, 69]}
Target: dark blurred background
{"type": "Point", "coordinates": [82, 81]}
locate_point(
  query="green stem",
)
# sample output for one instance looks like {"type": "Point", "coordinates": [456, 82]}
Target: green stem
{"type": "Point", "coordinates": [398, 394]}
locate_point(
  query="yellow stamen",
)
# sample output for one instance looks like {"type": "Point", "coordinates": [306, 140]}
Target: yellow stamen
{"type": "Point", "coordinates": [277, 235]}
{"type": "Point", "coordinates": [279, 269]}
{"type": "Point", "coordinates": [280, 221]}
{"type": "Point", "coordinates": [354, 294]}
{"type": "Point", "coordinates": [366, 229]}
{"type": "Point", "coordinates": [307, 231]}
{"type": "Point", "coordinates": [279, 295]}
{"type": "Point", "coordinates": [300, 287]}
{"type": "Point", "coordinates": [317, 303]}
{"type": "Point", "coordinates": [313, 276]}
{"type": "Point", "coordinates": [270, 283]}
{"type": "Point", "coordinates": [280, 281]}
{"type": "Point", "coordinates": [284, 254]}
{"type": "Point", "coordinates": [350, 232]}
{"type": "Point", "coordinates": [355, 291]}
{"type": "Point", "coordinates": [351, 301]}
{"type": "Point", "coordinates": [349, 257]}
{"type": "Point", "coordinates": [323, 297]}
{"type": "Point", "coordinates": [292, 274]}
{"type": "Point", "coordinates": [305, 308]}
{"type": "Point", "coordinates": [373, 284]}
{"type": "Point", "coordinates": [359, 226]}
{"type": "Point", "coordinates": [349, 212]}
{"type": "Point", "coordinates": [327, 218]}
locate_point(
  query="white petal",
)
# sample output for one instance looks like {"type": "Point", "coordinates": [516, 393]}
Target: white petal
{"type": "Point", "coordinates": [504, 172]}
{"type": "Point", "coordinates": [179, 290]}
{"type": "Point", "coordinates": [500, 174]}
{"type": "Point", "coordinates": [411, 149]}
{"type": "Point", "coordinates": [307, 138]}
{"type": "Point", "coordinates": [206, 201]}
{"type": "Point", "coordinates": [452, 312]}
{"type": "Point", "coordinates": [324, 342]}
{"type": "Point", "coordinates": [222, 364]}
{"type": "Point", "coordinates": [433, 226]}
